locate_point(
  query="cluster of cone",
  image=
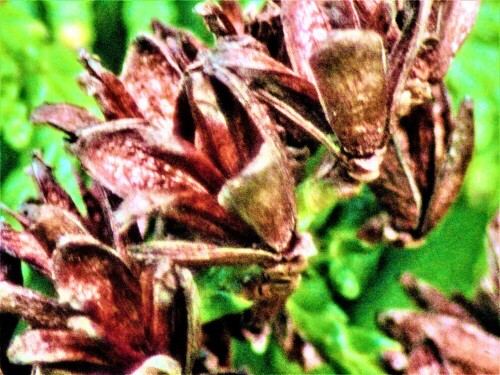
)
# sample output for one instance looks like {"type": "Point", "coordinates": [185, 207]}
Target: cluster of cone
{"type": "Point", "coordinates": [195, 164]}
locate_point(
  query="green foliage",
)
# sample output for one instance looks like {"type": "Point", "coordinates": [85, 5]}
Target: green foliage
{"type": "Point", "coordinates": [271, 361]}
{"type": "Point", "coordinates": [323, 323]}
{"type": "Point", "coordinates": [219, 289]}
{"type": "Point", "coordinates": [137, 17]}
{"type": "Point", "coordinates": [348, 281]}
{"type": "Point", "coordinates": [337, 277]}
{"type": "Point", "coordinates": [35, 68]}
{"type": "Point", "coordinates": [71, 22]}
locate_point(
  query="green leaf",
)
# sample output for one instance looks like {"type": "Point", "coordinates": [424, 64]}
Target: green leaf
{"type": "Point", "coordinates": [344, 280]}
{"type": "Point", "coordinates": [315, 201]}
{"type": "Point", "coordinates": [313, 296]}
{"type": "Point", "coordinates": [320, 321]}
{"type": "Point", "coordinates": [347, 349]}
{"type": "Point", "coordinates": [216, 304]}
{"type": "Point", "coordinates": [110, 34]}
{"type": "Point", "coordinates": [71, 22]}
{"type": "Point", "coordinates": [20, 32]}
{"type": "Point", "coordinates": [220, 291]}
{"type": "Point", "coordinates": [17, 187]}
{"type": "Point", "coordinates": [255, 4]}
{"type": "Point", "coordinates": [193, 22]}
{"type": "Point", "coordinates": [137, 17]}
{"type": "Point", "coordinates": [272, 361]}
{"type": "Point", "coordinates": [16, 128]}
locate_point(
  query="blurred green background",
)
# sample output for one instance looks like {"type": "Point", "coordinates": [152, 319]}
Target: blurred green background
{"type": "Point", "coordinates": [348, 282]}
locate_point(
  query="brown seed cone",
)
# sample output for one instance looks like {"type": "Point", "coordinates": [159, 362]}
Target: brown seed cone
{"type": "Point", "coordinates": [112, 313]}
{"type": "Point", "coordinates": [451, 336]}
{"type": "Point", "coordinates": [186, 140]}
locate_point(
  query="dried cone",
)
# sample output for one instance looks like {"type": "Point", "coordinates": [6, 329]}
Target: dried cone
{"type": "Point", "coordinates": [378, 70]}
{"type": "Point", "coordinates": [446, 338]}
{"type": "Point", "coordinates": [185, 139]}
{"type": "Point", "coordinates": [418, 187]}
{"type": "Point", "coordinates": [111, 313]}
{"type": "Point", "coordinates": [452, 336]}
{"type": "Point", "coordinates": [339, 50]}
{"type": "Point", "coordinates": [182, 141]}
{"type": "Point", "coordinates": [108, 317]}
{"type": "Point", "coordinates": [392, 127]}
{"type": "Point", "coordinates": [52, 216]}
{"type": "Point", "coordinates": [45, 222]}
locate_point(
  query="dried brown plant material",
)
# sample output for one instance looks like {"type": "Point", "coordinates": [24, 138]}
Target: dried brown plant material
{"type": "Point", "coordinates": [108, 317]}
{"type": "Point", "coordinates": [186, 139]}
{"type": "Point", "coordinates": [10, 272]}
{"type": "Point", "coordinates": [399, 134]}
{"type": "Point", "coordinates": [111, 312]}
{"type": "Point", "coordinates": [46, 220]}
{"type": "Point", "coordinates": [451, 336]}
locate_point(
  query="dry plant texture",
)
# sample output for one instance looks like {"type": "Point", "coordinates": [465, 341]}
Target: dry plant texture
{"type": "Point", "coordinates": [238, 197]}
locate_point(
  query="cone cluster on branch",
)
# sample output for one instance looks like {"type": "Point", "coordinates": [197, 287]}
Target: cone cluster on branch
{"type": "Point", "coordinates": [195, 162]}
